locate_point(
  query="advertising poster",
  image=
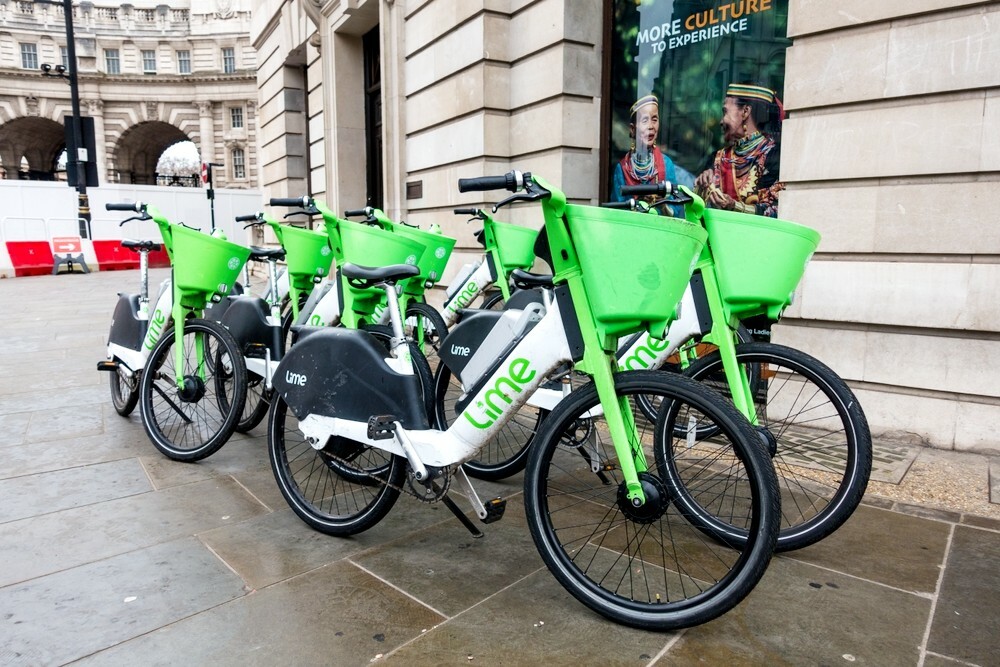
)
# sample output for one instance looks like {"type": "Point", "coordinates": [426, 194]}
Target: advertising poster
{"type": "Point", "coordinates": [673, 65]}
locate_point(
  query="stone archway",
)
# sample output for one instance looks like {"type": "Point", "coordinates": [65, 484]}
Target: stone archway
{"type": "Point", "coordinates": [34, 139]}
{"type": "Point", "coordinates": [139, 149]}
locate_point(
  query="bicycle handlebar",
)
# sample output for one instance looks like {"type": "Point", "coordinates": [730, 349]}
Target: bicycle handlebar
{"type": "Point", "coordinates": [134, 207]}
{"type": "Point", "coordinates": [466, 211]}
{"type": "Point", "coordinates": [512, 180]}
{"type": "Point", "coordinates": [251, 217]}
{"type": "Point", "coordinates": [628, 204]}
{"type": "Point", "coordinates": [643, 189]}
{"type": "Point", "coordinates": [302, 202]}
{"type": "Point", "coordinates": [357, 212]}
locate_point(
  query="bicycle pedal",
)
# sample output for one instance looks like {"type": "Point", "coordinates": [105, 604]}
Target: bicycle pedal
{"type": "Point", "coordinates": [255, 351]}
{"type": "Point", "coordinates": [381, 427]}
{"type": "Point", "coordinates": [111, 366]}
{"type": "Point", "coordinates": [495, 509]}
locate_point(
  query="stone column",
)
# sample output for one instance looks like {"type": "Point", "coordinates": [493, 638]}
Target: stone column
{"type": "Point", "coordinates": [207, 128]}
{"type": "Point", "coordinates": [95, 108]}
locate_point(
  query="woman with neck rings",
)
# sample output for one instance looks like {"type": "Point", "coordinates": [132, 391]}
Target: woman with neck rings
{"type": "Point", "coordinates": [645, 162]}
{"type": "Point", "coordinates": [744, 174]}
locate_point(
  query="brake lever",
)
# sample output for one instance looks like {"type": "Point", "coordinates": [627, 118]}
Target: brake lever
{"type": "Point", "coordinates": [519, 196]}
{"type": "Point", "coordinates": [144, 216]}
{"type": "Point", "coordinates": [306, 211]}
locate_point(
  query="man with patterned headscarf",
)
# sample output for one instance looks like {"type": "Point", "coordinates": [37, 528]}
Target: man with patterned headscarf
{"type": "Point", "coordinates": [744, 175]}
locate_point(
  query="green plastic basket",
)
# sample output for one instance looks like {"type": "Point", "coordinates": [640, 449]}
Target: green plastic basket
{"type": "Point", "coordinates": [203, 264]}
{"type": "Point", "coordinates": [437, 250]}
{"type": "Point", "coordinates": [307, 253]}
{"type": "Point", "coordinates": [373, 246]}
{"type": "Point", "coordinates": [516, 244]}
{"type": "Point", "coordinates": [758, 260]}
{"type": "Point", "coordinates": [635, 266]}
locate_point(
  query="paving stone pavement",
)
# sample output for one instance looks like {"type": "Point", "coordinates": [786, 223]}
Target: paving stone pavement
{"type": "Point", "coordinates": [115, 555]}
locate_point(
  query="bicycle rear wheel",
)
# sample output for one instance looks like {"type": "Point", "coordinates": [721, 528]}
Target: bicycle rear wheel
{"type": "Point", "coordinates": [342, 489]}
{"type": "Point", "coordinates": [124, 391]}
{"type": "Point", "coordinates": [647, 567]}
{"type": "Point", "coordinates": [192, 423]}
{"type": "Point", "coordinates": [815, 432]}
{"type": "Point", "coordinates": [257, 403]}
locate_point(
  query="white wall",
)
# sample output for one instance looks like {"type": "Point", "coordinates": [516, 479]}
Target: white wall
{"type": "Point", "coordinates": [35, 210]}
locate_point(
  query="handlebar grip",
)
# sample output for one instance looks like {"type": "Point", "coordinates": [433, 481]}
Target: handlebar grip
{"type": "Point", "coordinates": [302, 202]}
{"type": "Point", "coordinates": [646, 189]}
{"type": "Point", "coordinates": [356, 212]}
{"type": "Point", "coordinates": [246, 218]}
{"type": "Point", "coordinates": [134, 207]}
{"type": "Point", "coordinates": [508, 181]}
{"type": "Point", "coordinates": [617, 204]}
{"type": "Point", "coordinates": [466, 211]}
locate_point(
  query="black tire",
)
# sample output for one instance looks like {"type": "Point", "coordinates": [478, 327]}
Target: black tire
{"type": "Point", "coordinates": [319, 493]}
{"type": "Point", "coordinates": [493, 301]}
{"type": "Point", "coordinates": [424, 325]}
{"type": "Point", "coordinates": [256, 405]}
{"type": "Point", "coordinates": [648, 567]}
{"type": "Point", "coordinates": [189, 428]}
{"type": "Point", "coordinates": [506, 453]}
{"type": "Point", "coordinates": [124, 391]}
{"type": "Point", "coordinates": [815, 431]}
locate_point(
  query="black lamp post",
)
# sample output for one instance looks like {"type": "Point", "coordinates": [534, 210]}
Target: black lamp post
{"type": "Point", "coordinates": [83, 202]}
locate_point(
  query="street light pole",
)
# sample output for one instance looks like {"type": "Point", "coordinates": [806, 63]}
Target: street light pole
{"type": "Point", "coordinates": [80, 159]}
{"type": "Point", "coordinates": [83, 202]}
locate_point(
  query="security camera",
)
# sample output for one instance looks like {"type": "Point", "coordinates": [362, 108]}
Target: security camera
{"type": "Point", "coordinates": [46, 68]}
{"type": "Point", "coordinates": [60, 69]}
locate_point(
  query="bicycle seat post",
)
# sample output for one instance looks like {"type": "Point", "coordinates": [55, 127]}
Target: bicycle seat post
{"type": "Point", "coordinates": [395, 318]}
{"type": "Point", "coordinates": [272, 288]}
{"type": "Point", "coordinates": [143, 277]}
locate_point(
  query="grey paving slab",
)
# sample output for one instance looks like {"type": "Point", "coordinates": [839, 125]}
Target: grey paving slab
{"type": "Point", "coordinates": [532, 622]}
{"type": "Point", "coordinates": [790, 619]}
{"type": "Point", "coordinates": [36, 457]}
{"type": "Point", "coordinates": [966, 624]}
{"type": "Point", "coordinates": [33, 495]}
{"type": "Point", "coordinates": [30, 401]}
{"type": "Point", "coordinates": [995, 480]}
{"type": "Point", "coordinates": [449, 569]}
{"type": "Point", "coordinates": [887, 547]}
{"type": "Point", "coordinates": [42, 545]}
{"type": "Point", "coordinates": [66, 422]}
{"type": "Point", "coordinates": [337, 615]}
{"type": "Point", "coordinates": [274, 547]}
{"type": "Point", "coordinates": [60, 617]}
{"type": "Point", "coordinates": [13, 427]}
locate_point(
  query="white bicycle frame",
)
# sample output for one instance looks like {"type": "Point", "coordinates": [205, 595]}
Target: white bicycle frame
{"type": "Point", "coordinates": [467, 290]}
{"type": "Point", "coordinates": [540, 352]}
{"type": "Point", "coordinates": [157, 321]}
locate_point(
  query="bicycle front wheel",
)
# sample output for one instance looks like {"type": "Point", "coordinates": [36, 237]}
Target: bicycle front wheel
{"type": "Point", "coordinates": [342, 489]}
{"type": "Point", "coordinates": [648, 567]}
{"type": "Point", "coordinates": [190, 423]}
{"type": "Point", "coordinates": [815, 432]}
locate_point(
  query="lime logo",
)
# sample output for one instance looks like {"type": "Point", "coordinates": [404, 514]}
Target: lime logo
{"type": "Point", "coordinates": [642, 356]}
{"type": "Point", "coordinates": [297, 379]}
{"type": "Point", "coordinates": [412, 259]}
{"type": "Point", "coordinates": [464, 298]}
{"type": "Point", "coordinates": [439, 253]}
{"type": "Point", "coordinates": [325, 250]}
{"type": "Point", "coordinates": [495, 400]}
{"type": "Point", "coordinates": [320, 270]}
{"type": "Point", "coordinates": [316, 321]}
{"type": "Point", "coordinates": [234, 263]}
{"type": "Point", "coordinates": [156, 323]}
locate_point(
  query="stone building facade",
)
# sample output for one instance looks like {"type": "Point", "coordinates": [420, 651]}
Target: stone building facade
{"type": "Point", "coordinates": [891, 150]}
{"type": "Point", "coordinates": [150, 75]}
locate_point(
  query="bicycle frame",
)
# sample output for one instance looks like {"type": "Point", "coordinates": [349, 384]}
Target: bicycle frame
{"type": "Point", "coordinates": [516, 376]}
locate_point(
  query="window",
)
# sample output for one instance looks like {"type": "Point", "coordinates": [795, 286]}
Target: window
{"type": "Point", "coordinates": [112, 62]}
{"type": "Point", "coordinates": [29, 56]}
{"type": "Point", "coordinates": [373, 116]}
{"type": "Point", "coordinates": [64, 53]}
{"type": "Point", "coordinates": [148, 61]}
{"type": "Point", "coordinates": [239, 164]}
{"type": "Point", "coordinates": [183, 62]}
{"type": "Point", "coordinates": [228, 60]}
{"type": "Point", "coordinates": [236, 118]}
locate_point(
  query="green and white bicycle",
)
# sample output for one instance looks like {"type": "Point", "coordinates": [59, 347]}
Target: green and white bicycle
{"type": "Point", "coordinates": [347, 434]}
{"type": "Point", "coordinates": [191, 377]}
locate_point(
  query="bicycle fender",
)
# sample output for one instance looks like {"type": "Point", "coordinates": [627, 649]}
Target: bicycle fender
{"type": "Point", "coordinates": [336, 372]}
